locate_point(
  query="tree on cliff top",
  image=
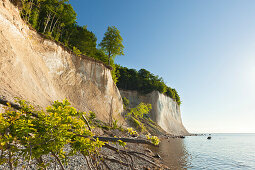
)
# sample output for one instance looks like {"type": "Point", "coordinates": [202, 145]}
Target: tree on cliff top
{"type": "Point", "coordinates": [112, 43]}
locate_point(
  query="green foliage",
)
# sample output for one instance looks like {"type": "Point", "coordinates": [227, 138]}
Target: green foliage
{"type": "Point", "coordinates": [112, 43]}
{"type": "Point", "coordinates": [76, 51]}
{"type": "Point", "coordinates": [22, 134]}
{"type": "Point", "coordinates": [121, 143]}
{"type": "Point", "coordinates": [34, 18]}
{"type": "Point", "coordinates": [100, 55]}
{"type": "Point", "coordinates": [125, 102]}
{"type": "Point", "coordinates": [154, 139]}
{"type": "Point", "coordinates": [92, 115]}
{"type": "Point", "coordinates": [115, 74]}
{"type": "Point", "coordinates": [137, 124]}
{"type": "Point", "coordinates": [115, 124]}
{"type": "Point", "coordinates": [140, 110]}
{"type": "Point", "coordinates": [132, 132]}
{"type": "Point", "coordinates": [54, 17]}
{"type": "Point", "coordinates": [84, 40]}
{"type": "Point", "coordinates": [144, 82]}
{"type": "Point", "coordinates": [138, 113]}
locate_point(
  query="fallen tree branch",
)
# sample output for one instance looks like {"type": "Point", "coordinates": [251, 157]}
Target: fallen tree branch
{"type": "Point", "coordinates": [147, 160]}
{"type": "Point", "coordinates": [140, 153]}
{"type": "Point", "coordinates": [115, 139]}
{"type": "Point", "coordinates": [105, 164]}
{"type": "Point", "coordinates": [129, 140]}
{"type": "Point", "coordinates": [131, 153]}
{"type": "Point", "coordinates": [124, 151]}
{"type": "Point", "coordinates": [132, 161]}
{"type": "Point", "coordinates": [15, 106]}
{"type": "Point", "coordinates": [115, 161]}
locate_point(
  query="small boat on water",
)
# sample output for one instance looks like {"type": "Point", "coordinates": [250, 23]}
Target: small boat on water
{"type": "Point", "coordinates": [209, 137]}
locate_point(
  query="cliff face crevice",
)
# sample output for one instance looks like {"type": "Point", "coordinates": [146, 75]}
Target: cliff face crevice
{"type": "Point", "coordinates": [165, 111]}
{"type": "Point", "coordinates": [42, 71]}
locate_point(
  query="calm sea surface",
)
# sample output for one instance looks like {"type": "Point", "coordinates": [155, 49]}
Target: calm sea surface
{"type": "Point", "coordinates": [223, 151]}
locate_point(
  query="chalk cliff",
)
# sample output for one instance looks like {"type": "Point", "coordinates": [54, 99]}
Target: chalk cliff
{"type": "Point", "coordinates": [42, 71]}
{"type": "Point", "coordinates": [165, 111]}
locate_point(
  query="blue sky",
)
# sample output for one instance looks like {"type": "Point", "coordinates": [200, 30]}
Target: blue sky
{"type": "Point", "coordinates": [204, 49]}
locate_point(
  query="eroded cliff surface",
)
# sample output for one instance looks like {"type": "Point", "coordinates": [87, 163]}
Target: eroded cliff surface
{"type": "Point", "coordinates": [41, 71]}
{"type": "Point", "coordinates": [165, 111]}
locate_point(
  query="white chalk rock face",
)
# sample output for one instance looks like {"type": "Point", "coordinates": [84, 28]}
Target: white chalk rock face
{"type": "Point", "coordinates": [42, 71]}
{"type": "Point", "coordinates": [165, 111]}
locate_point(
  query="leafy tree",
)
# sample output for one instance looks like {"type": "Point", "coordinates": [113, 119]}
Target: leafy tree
{"type": "Point", "coordinates": [112, 43]}
{"type": "Point", "coordinates": [84, 40]}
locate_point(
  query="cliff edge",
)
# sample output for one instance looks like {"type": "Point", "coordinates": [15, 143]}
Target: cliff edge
{"type": "Point", "coordinates": [41, 71]}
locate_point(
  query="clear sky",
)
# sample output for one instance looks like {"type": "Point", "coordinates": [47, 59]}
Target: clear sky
{"type": "Point", "coordinates": [203, 48]}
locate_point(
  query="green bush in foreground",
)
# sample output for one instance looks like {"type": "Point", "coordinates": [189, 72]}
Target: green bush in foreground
{"type": "Point", "coordinates": [30, 136]}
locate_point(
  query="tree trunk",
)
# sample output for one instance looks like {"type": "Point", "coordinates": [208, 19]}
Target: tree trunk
{"type": "Point", "coordinates": [109, 56]}
{"type": "Point", "coordinates": [52, 22]}
{"type": "Point", "coordinates": [54, 25]}
{"type": "Point", "coordinates": [47, 21]}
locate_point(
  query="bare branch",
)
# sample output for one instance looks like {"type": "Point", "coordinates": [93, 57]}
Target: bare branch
{"type": "Point", "coordinates": [86, 121]}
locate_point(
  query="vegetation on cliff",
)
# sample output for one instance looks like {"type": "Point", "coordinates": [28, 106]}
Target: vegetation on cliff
{"type": "Point", "coordinates": [143, 81]}
{"type": "Point", "coordinates": [139, 119]}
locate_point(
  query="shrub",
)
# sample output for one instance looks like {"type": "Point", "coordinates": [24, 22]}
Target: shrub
{"type": "Point", "coordinates": [31, 134]}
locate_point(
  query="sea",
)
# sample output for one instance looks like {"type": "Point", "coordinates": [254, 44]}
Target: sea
{"type": "Point", "coordinates": [222, 151]}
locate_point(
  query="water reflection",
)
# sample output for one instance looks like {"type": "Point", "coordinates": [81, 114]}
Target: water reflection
{"type": "Point", "coordinates": [173, 153]}
{"type": "Point", "coordinates": [223, 151]}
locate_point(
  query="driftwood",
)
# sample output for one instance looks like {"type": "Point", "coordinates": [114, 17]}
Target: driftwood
{"type": "Point", "coordinates": [115, 161]}
{"type": "Point", "coordinates": [129, 140]}
{"type": "Point", "coordinates": [132, 153]}
{"type": "Point", "coordinates": [105, 164]}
